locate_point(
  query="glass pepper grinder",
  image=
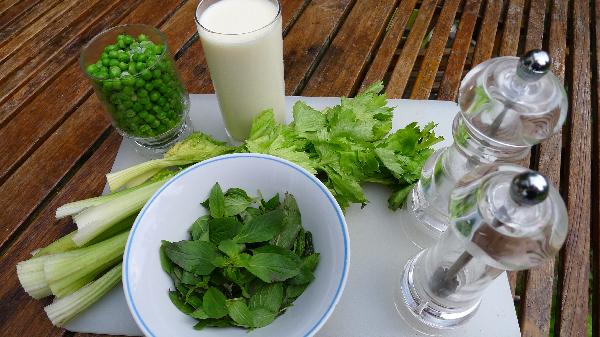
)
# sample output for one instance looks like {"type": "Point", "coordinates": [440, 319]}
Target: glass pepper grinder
{"type": "Point", "coordinates": [507, 105]}
{"type": "Point", "coordinates": [502, 217]}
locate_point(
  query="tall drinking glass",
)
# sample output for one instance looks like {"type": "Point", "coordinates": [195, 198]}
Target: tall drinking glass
{"type": "Point", "coordinates": [243, 45]}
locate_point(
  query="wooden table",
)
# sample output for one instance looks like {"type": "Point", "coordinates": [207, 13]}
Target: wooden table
{"type": "Point", "coordinates": [56, 143]}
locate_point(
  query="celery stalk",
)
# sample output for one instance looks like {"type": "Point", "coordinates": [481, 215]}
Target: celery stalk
{"type": "Point", "coordinates": [64, 309]}
{"type": "Point", "coordinates": [67, 272]}
{"type": "Point", "coordinates": [195, 148]}
{"type": "Point", "coordinates": [66, 243]}
{"type": "Point", "coordinates": [97, 219]}
{"type": "Point", "coordinates": [32, 277]}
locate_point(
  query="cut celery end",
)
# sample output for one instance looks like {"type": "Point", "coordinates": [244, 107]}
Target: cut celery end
{"type": "Point", "coordinates": [32, 278]}
{"type": "Point", "coordinates": [96, 220]}
{"type": "Point", "coordinates": [67, 272]}
{"type": "Point", "coordinates": [62, 310]}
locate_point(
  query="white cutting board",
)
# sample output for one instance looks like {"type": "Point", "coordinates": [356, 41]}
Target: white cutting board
{"type": "Point", "coordinates": [378, 248]}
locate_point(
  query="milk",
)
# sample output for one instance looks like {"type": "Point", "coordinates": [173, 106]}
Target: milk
{"type": "Point", "coordinates": [244, 50]}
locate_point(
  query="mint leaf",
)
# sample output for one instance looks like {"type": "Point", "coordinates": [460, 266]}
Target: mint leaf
{"type": "Point", "coordinates": [214, 303]}
{"type": "Point", "coordinates": [179, 303]}
{"type": "Point", "coordinates": [261, 228]}
{"type": "Point", "coordinates": [216, 202]}
{"type": "Point", "coordinates": [165, 263]}
{"type": "Point", "coordinates": [200, 230]}
{"type": "Point", "coordinates": [239, 312]}
{"type": "Point", "coordinates": [216, 323]}
{"type": "Point", "coordinates": [269, 296]}
{"type": "Point", "coordinates": [271, 267]}
{"type": "Point", "coordinates": [241, 277]}
{"type": "Point", "coordinates": [236, 201]}
{"type": "Point", "coordinates": [193, 256]}
{"type": "Point", "coordinates": [230, 248]}
{"type": "Point", "coordinates": [308, 266]}
{"type": "Point", "coordinates": [271, 204]}
{"type": "Point", "coordinates": [223, 229]}
{"type": "Point", "coordinates": [262, 317]}
{"type": "Point", "coordinates": [292, 223]}
{"type": "Point", "coordinates": [199, 314]}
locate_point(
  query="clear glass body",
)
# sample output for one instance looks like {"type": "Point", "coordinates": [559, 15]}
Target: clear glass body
{"type": "Point", "coordinates": [246, 67]}
{"type": "Point", "coordinates": [489, 233]}
{"type": "Point", "coordinates": [147, 102]}
{"type": "Point", "coordinates": [501, 117]}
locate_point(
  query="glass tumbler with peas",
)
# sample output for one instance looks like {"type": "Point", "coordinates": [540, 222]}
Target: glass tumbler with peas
{"type": "Point", "coordinates": [135, 78]}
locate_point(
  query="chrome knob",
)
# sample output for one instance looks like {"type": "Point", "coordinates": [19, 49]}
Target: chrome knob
{"type": "Point", "coordinates": [533, 65]}
{"type": "Point", "coordinates": [529, 188]}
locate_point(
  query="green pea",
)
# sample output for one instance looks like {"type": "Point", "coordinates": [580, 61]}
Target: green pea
{"type": "Point", "coordinates": [137, 107]}
{"type": "Point", "coordinates": [155, 123]}
{"type": "Point", "coordinates": [146, 103]}
{"type": "Point", "coordinates": [120, 37]}
{"type": "Point", "coordinates": [117, 85]}
{"type": "Point", "coordinates": [142, 93]}
{"type": "Point", "coordinates": [124, 66]}
{"type": "Point", "coordinates": [128, 39]}
{"type": "Point", "coordinates": [121, 44]}
{"type": "Point", "coordinates": [131, 68]}
{"type": "Point", "coordinates": [139, 83]}
{"type": "Point", "coordinates": [103, 74]}
{"type": "Point", "coordinates": [156, 73]}
{"type": "Point", "coordinates": [113, 54]}
{"type": "Point", "coordinates": [139, 66]}
{"type": "Point", "coordinates": [114, 71]}
{"type": "Point", "coordinates": [91, 69]}
{"type": "Point", "coordinates": [162, 101]}
{"type": "Point", "coordinates": [106, 62]}
{"type": "Point", "coordinates": [128, 81]}
{"type": "Point", "coordinates": [130, 113]}
{"type": "Point", "coordinates": [113, 62]}
{"type": "Point", "coordinates": [124, 57]}
{"type": "Point", "coordinates": [142, 57]}
{"type": "Point", "coordinates": [110, 47]}
{"type": "Point", "coordinates": [149, 86]}
{"type": "Point", "coordinates": [160, 49]}
{"type": "Point", "coordinates": [146, 74]}
{"type": "Point", "coordinates": [142, 37]}
{"type": "Point", "coordinates": [154, 96]}
{"type": "Point", "coordinates": [107, 85]}
{"type": "Point", "coordinates": [128, 90]}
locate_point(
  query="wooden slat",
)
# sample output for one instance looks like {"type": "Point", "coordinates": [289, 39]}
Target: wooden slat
{"type": "Point", "coordinates": [395, 87]}
{"type": "Point", "coordinates": [36, 81]}
{"type": "Point", "coordinates": [35, 28]}
{"type": "Point", "coordinates": [460, 49]}
{"type": "Point", "coordinates": [309, 37]}
{"type": "Point", "coordinates": [290, 12]}
{"type": "Point", "coordinates": [575, 258]}
{"type": "Point", "coordinates": [37, 51]}
{"type": "Point", "coordinates": [12, 24]}
{"type": "Point", "coordinates": [13, 9]}
{"type": "Point", "coordinates": [21, 135]}
{"type": "Point", "coordinates": [596, 176]}
{"type": "Point", "coordinates": [340, 69]}
{"type": "Point", "coordinates": [21, 195]}
{"type": "Point", "coordinates": [389, 45]}
{"type": "Point", "coordinates": [512, 28]}
{"type": "Point", "coordinates": [487, 32]}
{"type": "Point", "coordinates": [536, 301]}
{"type": "Point", "coordinates": [22, 315]}
{"type": "Point", "coordinates": [435, 51]}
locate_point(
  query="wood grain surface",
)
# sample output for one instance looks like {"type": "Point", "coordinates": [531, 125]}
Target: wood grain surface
{"type": "Point", "coordinates": [56, 143]}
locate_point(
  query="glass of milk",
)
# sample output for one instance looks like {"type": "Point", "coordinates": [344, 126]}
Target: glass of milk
{"type": "Point", "coordinates": [243, 45]}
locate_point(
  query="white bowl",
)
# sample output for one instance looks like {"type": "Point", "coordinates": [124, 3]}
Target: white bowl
{"type": "Point", "coordinates": [170, 212]}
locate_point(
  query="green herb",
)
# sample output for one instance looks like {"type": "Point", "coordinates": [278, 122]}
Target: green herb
{"type": "Point", "coordinates": [346, 146]}
{"type": "Point", "coordinates": [247, 261]}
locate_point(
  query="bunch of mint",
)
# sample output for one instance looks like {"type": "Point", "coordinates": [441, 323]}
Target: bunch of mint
{"type": "Point", "coordinates": [348, 145]}
{"type": "Point", "coordinates": [246, 263]}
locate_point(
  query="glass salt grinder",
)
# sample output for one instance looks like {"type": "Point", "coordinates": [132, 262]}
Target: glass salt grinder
{"type": "Point", "coordinates": [507, 105]}
{"type": "Point", "coordinates": [503, 217]}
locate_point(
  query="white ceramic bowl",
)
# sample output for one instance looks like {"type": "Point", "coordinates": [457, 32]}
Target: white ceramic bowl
{"type": "Point", "coordinates": [170, 212]}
